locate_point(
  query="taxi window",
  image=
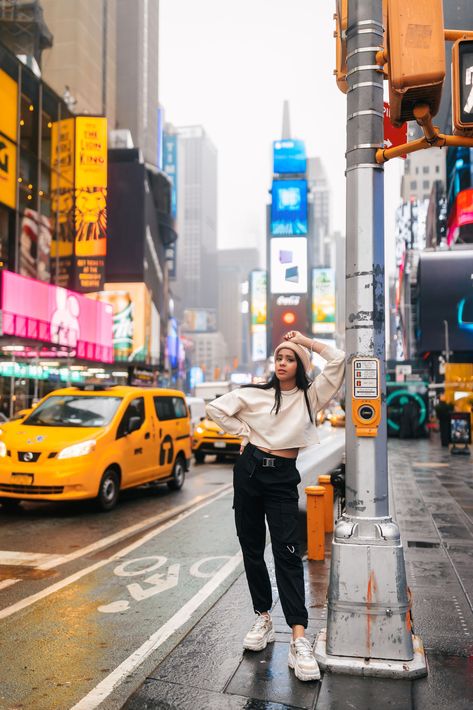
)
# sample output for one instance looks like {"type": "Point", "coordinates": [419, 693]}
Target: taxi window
{"type": "Point", "coordinates": [136, 408]}
{"type": "Point", "coordinates": [74, 411]}
{"type": "Point", "coordinates": [170, 408]}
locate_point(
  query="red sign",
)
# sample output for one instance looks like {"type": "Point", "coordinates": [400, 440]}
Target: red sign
{"type": "Point", "coordinates": [393, 136]}
{"type": "Point", "coordinates": [461, 214]}
{"type": "Point", "coordinates": [39, 311]}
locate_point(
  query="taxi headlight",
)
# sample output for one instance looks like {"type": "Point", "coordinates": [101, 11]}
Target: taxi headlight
{"type": "Point", "coordinates": [199, 430]}
{"type": "Point", "coordinates": [82, 449]}
{"type": "Point", "coordinates": [3, 449]}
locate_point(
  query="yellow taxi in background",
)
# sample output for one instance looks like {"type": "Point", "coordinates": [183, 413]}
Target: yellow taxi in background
{"type": "Point", "coordinates": [82, 443]}
{"type": "Point", "coordinates": [336, 416]}
{"type": "Point", "coordinates": [209, 438]}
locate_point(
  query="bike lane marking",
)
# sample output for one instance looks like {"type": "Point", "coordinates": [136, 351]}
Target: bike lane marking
{"type": "Point", "coordinates": [101, 691]}
{"type": "Point", "coordinates": [33, 598]}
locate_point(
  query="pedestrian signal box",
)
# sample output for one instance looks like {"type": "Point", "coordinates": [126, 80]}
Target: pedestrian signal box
{"type": "Point", "coordinates": [366, 396]}
{"type": "Point", "coordinates": [341, 19]}
{"type": "Point", "coordinates": [462, 87]}
{"type": "Point", "coordinates": [416, 57]}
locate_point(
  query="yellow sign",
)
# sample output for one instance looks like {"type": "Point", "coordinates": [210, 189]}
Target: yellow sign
{"type": "Point", "coordinates": [9, 103]}
{"type": "Point", "coordinates": [7, 172]}
{"type": "Point", "coordinates": [62, 154]}
{"type": "Point", "coordinates": [91, 152]}
{"type": "Point", "coordinates": [62, 200]}
{"type": "Point", "coordinates": [8, 136]}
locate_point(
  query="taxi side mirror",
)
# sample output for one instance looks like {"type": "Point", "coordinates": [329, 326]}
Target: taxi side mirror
{"type": "Point", "coordinates": [134, 423]}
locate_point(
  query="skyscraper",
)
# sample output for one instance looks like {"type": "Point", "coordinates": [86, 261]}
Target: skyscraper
{"type": "Point", "coordinates": [196, 284]}
{"type": "Point", "coordinates": [137, 69]}
{"type": "Point", "coordinates": [81, 65]}
{"type": "Point", "coordinates": [319, 192]}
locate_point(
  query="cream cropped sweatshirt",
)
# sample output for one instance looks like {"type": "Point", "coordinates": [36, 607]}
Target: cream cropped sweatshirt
{"type": "Point", "coordinates": [246, 412]}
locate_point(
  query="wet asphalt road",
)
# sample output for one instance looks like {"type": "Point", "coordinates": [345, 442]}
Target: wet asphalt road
{"type": "Point", "coordinates": [90, 602]}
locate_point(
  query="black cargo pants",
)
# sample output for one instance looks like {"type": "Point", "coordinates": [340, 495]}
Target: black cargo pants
{"type": "Point", "coordinates": [265, 486]}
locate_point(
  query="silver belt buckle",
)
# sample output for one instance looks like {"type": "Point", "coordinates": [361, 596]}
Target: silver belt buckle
{"type": "Point", "coordinates": [268, 463]}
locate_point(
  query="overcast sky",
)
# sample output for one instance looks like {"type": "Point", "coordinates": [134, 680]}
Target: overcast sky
{"type": "Point", "coordinates": [229, 66]}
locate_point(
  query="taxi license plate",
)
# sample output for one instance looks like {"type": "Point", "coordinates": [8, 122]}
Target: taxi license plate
{"type": "Point", "coordinates": [23, 479]}
{"type": "Point", "coordinates": [220, 444]}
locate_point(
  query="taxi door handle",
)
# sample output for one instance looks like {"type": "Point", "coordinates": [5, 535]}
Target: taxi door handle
{"type": "Point", "coordinates": [147, 435]}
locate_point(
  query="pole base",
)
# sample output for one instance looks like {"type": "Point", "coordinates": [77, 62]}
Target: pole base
{"type": "Point", "coordinates": [375, 667]}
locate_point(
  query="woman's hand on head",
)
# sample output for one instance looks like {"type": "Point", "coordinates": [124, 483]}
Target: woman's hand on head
{"type": "Point", "coordinates": [294, 336]}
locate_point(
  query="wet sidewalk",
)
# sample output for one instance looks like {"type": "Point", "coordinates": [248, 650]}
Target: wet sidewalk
{"type": "Point", "coordinates": [432, 500]}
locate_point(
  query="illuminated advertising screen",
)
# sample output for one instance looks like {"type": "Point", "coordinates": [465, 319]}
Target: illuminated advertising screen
{"type": "Point", "coordinates": [289, 207]}
{"type": "Point", "coordinates": [131, 309]}
{"type": "Point", "coordinates": [288, 259]}
{"type": "Point", "coordinates": [39, 311]}
{"type": "Point", "coordinates": [258, 314]}
{"type": "Point", "coordinates": [323, 301]}
{"type": "Point", "coordinates": [289, 157]}
{"type": "Point", "coordinates": [460, 216]}
{"type": "Point", "coordinates": [8, 128]}
{"type": "Point", "coordinates": [445, 289]}
{"type": "Point", "coordinates": [199, 320]}
{"type": "Point", "coordinates": [288, 313]}
{"type": "Point", "coordinates": [170, 166]}
{"type": "Point", "coordinates": [90, 190]}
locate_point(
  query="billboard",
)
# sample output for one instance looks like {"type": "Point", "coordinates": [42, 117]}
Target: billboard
{"type": "Point", "coordinates": [289, 157]}
{"type": "Point", "coordinates": [288, 260]}
{"type": "Point", "coordinates": [199, 320]}
{"type": "Point", "coordinates": [323, 301]}
{"type": "Point", "coordinates": [90, 191]}
{"type": "Point", "coordinates": [8, 137]}
{"type": "Point", "coordinates": [288, 313]}
{"type": "Point", "coordinates": [62, 201]}
{"type": "Point", "coordinates": [170, 166]}
{"type": "Point", "coordinates": [289, 207]}
{"type": "Point", "coordinates": [445, 288]}
{"type": "Point", "coordinates": [460, 216]}
{"type": "Point", "coordinates": [39, 311]}
{"type": "Point", "coordinates": [131, 309]}
{"type": "Point", "coordinates": [258, 314]}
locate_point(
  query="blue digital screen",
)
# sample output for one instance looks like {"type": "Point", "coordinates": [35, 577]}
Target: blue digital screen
{"type": "Point", "coordinates": [289, 157]}
{"type": "Point", "coordinates": [289, 207]}
{"type": "Point", "coordinates": [170, 166]}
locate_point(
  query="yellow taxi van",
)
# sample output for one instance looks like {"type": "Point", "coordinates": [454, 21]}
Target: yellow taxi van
{"type": "Point", "coordinates": [82, 443]}
{"type": "Point", "coordinates": [209, 438]}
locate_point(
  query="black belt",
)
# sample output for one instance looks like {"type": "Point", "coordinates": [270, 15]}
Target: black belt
{"type": "Point", "coordinates": [268, 461]}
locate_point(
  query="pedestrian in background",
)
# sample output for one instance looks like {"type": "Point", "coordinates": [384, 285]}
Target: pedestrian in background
{"type": "Point", "coordinates": [275, 420]}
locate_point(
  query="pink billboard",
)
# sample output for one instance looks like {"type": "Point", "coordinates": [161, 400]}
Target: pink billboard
{"type": "Point", "coordinates": [38, 311]}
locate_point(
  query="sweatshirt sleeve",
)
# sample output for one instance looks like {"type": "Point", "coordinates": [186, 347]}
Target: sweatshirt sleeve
{"type": "Point", "coordinates": [224, 411]}
{"type": "Point", "coordinates": [329, 381]}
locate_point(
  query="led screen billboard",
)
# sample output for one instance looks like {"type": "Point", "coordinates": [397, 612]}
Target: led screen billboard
{"type": "Point", "coordinates": [258, 314]}
{"type": "Point", "coordinates": [289, 207]}
{"type": "Point", "coordinates": [288, 259]}
{"type": "Point", "coordinates": [445, 287]}
{"type": "Point", "coordinates": [289, 157]}
{"type": "Point", "coordinates": [323, 301]}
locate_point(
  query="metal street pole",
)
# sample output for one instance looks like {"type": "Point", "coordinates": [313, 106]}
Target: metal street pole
{"type": "Point", "coordinates": [368, 626]}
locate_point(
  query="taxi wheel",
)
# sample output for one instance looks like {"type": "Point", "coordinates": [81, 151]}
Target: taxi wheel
{"type": "Point", "coordinates": [109, 490]}
{"type": "Point", "coordinates": [178, 475]}
{"type": "Point", "coordinates": [199, 457]}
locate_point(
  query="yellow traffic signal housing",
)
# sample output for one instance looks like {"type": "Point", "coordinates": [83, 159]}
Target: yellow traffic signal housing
{"type": "Point", "coordinates": [416, 57]}
{"type": "Point", "coordinates": [341, 19]}
{"type": "Point", "coordinates": [341, 24]}
{"type": "Point", "coordinates": [462, 87]}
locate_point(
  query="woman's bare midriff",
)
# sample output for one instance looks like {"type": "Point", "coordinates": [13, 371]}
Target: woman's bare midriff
{"type": "Point", "coordinates": [285, 453]}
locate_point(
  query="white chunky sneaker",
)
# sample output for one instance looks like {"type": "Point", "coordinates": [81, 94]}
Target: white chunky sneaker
{"type": "Point", "coordinates": [260, 634]}
{"type": "Point", "coordinates": [302, 660]}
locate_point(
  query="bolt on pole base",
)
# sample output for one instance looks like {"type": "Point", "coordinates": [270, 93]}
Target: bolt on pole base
{"type": "Point", "coordinates": [374, 667]}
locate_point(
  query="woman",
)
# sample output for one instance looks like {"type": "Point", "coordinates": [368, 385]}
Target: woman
{"type": "Point", "coordinates": [275, 420]}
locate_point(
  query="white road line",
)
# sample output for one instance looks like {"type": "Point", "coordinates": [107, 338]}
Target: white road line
{"type": "Point", "coordinates": [28, 601]}
{"type": "Point", "coordinates": [23, 559]}
{"type": "Point", "coordinates": [8, 583]}
{"type": "Point", "coordinates": [101, 691]}
{"type": "Point", "coordinates": [57, 560]}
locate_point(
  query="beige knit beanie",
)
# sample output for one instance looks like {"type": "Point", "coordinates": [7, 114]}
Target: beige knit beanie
{"type": "Point", "coordinates": [303, 353]}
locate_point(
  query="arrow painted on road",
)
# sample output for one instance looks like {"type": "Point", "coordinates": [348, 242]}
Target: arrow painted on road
{"type": "Point", "coordinates": [159, 583]}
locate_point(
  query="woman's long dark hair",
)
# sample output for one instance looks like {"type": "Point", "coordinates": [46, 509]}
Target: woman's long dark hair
{"type": "Point", "coordinates": [302, 382]}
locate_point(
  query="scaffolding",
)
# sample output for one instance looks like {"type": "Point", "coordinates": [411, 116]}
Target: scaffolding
{"type": "Point", "coordinates": [23, 29]}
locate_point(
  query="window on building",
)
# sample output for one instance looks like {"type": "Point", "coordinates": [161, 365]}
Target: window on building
{"type": "Point", "coordinates": [413, 184]}
{"type": "Point", "coordinates": [417, 170]}
{"type": "Point", "coordinates": [426, 169]}
{"type": "Point", "coordinates": [425, 184]}
{"type": "Point", "coordinates": [437, 168]}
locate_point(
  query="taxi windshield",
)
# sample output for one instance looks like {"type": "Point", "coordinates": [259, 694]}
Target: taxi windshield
{"type": "Point", "coordinates": [74, 411]}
